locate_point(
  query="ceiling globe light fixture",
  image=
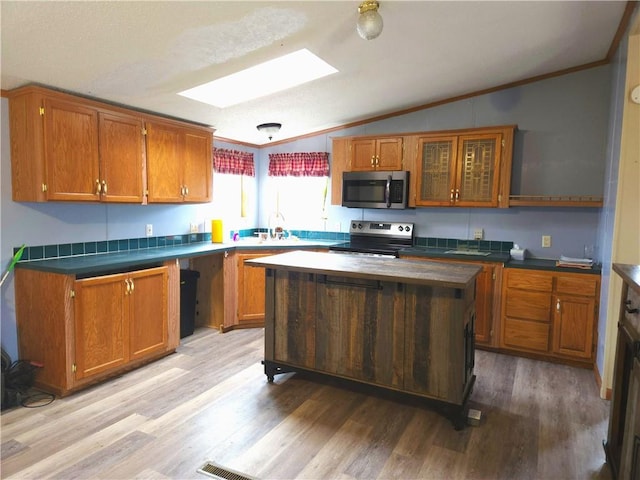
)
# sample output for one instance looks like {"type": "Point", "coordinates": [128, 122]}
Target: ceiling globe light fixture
{"type": "Point", "coordinates": [269, 129]}
{"type": "Point", "coordinates": [369, 24]}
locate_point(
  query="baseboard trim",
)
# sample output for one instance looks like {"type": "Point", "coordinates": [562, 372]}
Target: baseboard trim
{"type": "Point", "coordinates": [598, 378]}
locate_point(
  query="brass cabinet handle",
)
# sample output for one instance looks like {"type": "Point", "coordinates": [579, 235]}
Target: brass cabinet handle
{"type": "Point", "coordinates": [128, 290]}
{"type": "Point", "coordinates": [457, 194]}
{"type": "Point", "coordinates": [186, 190]}
{"type": "Point", "coordinates": [558, 305]}
{"type": "Point", "coordinates": [132, 284]}
{"type": "Point", "coordinates": [98, 188]}
{"type": "Point", "coordinates": [451, 197]}
{"type": "Point", "coordinates": [373, 160]}
{"type": "Point", "coordinates": [104, 187]}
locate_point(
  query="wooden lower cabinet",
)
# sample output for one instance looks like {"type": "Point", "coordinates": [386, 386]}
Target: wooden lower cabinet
{"type": "Point", "coordinates": [84, 330]}
{"type": "Point", "coordinates": [487, 299]}
{"type": "Point", "coordinates": [230, 294]}
{"type": "Point", "coordinates": [550, 314]}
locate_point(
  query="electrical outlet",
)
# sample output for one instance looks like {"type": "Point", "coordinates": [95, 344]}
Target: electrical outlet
{"type": "Point", "coordinates": [546, 241]}
{"type": "Point", "coordinates": [478, 234]}
{"type": "Point", "coordinates": [149, 230]}
{"type": "Point", "coordinates": [193, 228]}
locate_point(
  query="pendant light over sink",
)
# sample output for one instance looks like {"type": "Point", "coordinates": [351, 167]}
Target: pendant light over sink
{"type": "Point", "coordinates": [269, 129]}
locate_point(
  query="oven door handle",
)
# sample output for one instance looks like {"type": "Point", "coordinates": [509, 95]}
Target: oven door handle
{"type": "Point", "coordinates": [387, 191]}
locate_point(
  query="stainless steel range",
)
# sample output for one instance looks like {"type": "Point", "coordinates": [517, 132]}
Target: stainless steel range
{"type": "Point", "coordinates": [377, 238]}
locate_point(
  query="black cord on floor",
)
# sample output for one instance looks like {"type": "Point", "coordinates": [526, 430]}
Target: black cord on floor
{"type": "Point", "coordinates": [37, 399]}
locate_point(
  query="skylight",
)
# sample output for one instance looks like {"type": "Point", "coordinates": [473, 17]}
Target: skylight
{"type": "Point", "coordinates": [264, 79]}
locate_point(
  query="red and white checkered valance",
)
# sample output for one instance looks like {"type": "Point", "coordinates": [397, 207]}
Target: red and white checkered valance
{"type": "Point", "coordinates": [306, 164]}
{"type": "Point", "coordinates": [233, 161]}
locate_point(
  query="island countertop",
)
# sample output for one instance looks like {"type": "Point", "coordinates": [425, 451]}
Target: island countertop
{"type": "Point", "coordinates": [375, 268]}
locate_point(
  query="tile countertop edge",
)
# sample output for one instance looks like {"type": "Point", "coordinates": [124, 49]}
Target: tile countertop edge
{"type": "Point", "coordinates": [109, 262]}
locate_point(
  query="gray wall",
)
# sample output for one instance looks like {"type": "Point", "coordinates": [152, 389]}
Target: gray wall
{"type": "Point", "coordinates": [560, 149]}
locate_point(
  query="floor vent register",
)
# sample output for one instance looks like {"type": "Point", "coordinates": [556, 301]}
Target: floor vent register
{"type": "Point", "coordinates": [219, 472]}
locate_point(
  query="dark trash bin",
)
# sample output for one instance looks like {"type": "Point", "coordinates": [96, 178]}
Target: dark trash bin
{"type": "Point", "coordinates": [188, 288]}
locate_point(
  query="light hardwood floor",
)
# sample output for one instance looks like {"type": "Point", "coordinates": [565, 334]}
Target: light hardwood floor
{"type": "Point", "coordinates": [211, 401]}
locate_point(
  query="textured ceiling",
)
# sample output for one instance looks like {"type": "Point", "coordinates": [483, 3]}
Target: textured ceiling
{"type": "Point", "coordinates": [142, 53]}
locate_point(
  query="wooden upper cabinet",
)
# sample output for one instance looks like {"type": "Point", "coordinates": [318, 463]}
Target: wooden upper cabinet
{"type": "Point", "coordinates": [384, 153]}
{"type": "Point", "coordinates": [164, 167]}
{"type": "Point", "coordinates": [465, 169]}
{"type": "Point", "coordinates": [179, 163]}
{"type": "Point", "coordinates": [71, 151]}
{"type": "Point", "coordinates": [67, 148]}
{"type": "Point", "coordinates": [198, 166]}
{"type": "Point", "coordinates": [122, 162]}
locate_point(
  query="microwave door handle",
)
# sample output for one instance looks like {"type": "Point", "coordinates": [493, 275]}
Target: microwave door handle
{"type": "Point", "coordinates": [387, 192]}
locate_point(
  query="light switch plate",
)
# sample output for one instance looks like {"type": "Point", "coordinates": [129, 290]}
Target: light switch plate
{"type": "Point", "coordinates": [478, 234]}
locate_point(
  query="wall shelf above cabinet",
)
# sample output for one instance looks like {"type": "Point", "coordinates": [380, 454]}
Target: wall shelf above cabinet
{"type": "Point", "coordinates": [555, 201]}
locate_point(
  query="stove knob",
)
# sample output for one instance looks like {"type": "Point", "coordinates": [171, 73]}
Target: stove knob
{"type": "Point", "coordinates": [407, 228]}
{"type": "Point", "coordinates": [360, 226]}
{"type": "Point", "coordinates": [353, 225]}
{"type": "Point", "coordinates": [400, 228]}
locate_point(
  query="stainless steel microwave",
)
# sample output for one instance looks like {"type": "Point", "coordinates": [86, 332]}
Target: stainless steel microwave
{"type": "Point", "coordinates": [376, 189]}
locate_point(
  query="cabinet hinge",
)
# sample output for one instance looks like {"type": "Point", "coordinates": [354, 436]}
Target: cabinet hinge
{"type": "Point", "coordinates": [493, 276]}
{"type": "Point", "coordinates": [144, 131]}
{"type": "Point", "coordinates": [74, 368]}
{"type": "Point", "coordinates": [502, 142]}
{"type": "Point", "coordinates": [72, 294]}
{"type": "Point", "coordinates": [146, 192]}
{"type": "Point", "coordinates": [44, 187]}
{"type": "Point", "coordinates": [499, 197]}
{"type": "Point", "coordinates": [41, 111]}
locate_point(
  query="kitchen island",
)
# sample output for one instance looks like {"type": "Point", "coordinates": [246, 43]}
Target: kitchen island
{"type": "Point", "coordinates": [403, 325]}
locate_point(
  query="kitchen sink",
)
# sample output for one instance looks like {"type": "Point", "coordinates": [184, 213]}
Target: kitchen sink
{"type": "Point", "coordinates": [468, 252]}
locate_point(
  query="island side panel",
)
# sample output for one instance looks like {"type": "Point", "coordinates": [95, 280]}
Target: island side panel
{"type": "Point", "coordinates": [360, 329]}
{"type": "Point", "coordinates": [295, 318]}
{"type": "Point", "coordinates": [435, 341]}
{"type": "Point", "coordinates": [269, 314]}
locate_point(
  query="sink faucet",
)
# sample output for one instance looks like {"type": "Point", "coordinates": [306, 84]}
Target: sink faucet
{"type": "Point", "coordinates": [276, 226]}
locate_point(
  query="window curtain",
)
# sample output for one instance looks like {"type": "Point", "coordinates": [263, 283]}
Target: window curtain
{"type": "Point", "coordinates": [307, 164]}
{"type": "Point", "coordinates": [233, 161]}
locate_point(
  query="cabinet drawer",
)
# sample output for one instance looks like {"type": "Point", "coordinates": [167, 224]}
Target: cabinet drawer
{"type": "Point", "coordinates": [578, 285]}
{"type": "Point", "coordinates": [525, 334]}
{"type": "Point", "coordinates": [528, 305]}
{"type": "Point", "coordinates": [529, 281]}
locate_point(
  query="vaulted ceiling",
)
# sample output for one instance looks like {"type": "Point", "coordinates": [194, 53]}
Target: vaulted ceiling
{"type": "Point", "coordinates": [142, 53]}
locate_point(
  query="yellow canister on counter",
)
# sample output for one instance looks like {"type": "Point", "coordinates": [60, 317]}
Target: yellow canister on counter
{"type": "Point", "coordinates": [216, 231]}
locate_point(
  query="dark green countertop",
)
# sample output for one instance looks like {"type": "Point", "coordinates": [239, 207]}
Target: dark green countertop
{"type": "Point", "coordinates": [432, 252]}
{"type": "Point", "coordinates": [108, 262]}
{"type": "Point", "coordinates": [497, 257]}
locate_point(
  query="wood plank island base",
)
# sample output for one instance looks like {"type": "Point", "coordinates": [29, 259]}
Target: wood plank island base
{"type": "Point", "coordinates": [403, 325]}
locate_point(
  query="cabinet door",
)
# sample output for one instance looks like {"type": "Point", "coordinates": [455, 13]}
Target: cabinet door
{"type": "Point", "coordinates": [71, 151]}
{"type": "Point", "coordinates": [148, 318]}
{"type": "Point", "coordinates": [484, 305]}
{"type": "Point", "coordinates": [363, 153]}
{"type": "Point", "coordinates": [121, 158]}
{"type": "Point", "coordinates": [477, 181]}
{"type": "Point", "coordinates": [630, 461]}
{"type": "Point", "coordinates": [101, 309]}
{"type": "Point", "coordinates": [198, 166]}
{"type": "Point", "coordinates": [573, 325]}
{"type": "Point", "coordinates": [164, 165]}
{"type": "Point", "coordinates": [251, 284]}
{"type": "Point", "coordinates": [436, 171]}
{"type": "Point", "coordinates": [389, 153]}
{"type": "Point", "coordinates": [360, 330]}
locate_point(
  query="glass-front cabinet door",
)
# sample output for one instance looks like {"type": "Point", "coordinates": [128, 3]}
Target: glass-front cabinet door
{"type": "Point", "coordinates": [436, 170]}
{"type": "Point", "coordinates": [458, 170]}
{"type": "Point", "coordinates": [477, 170]}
